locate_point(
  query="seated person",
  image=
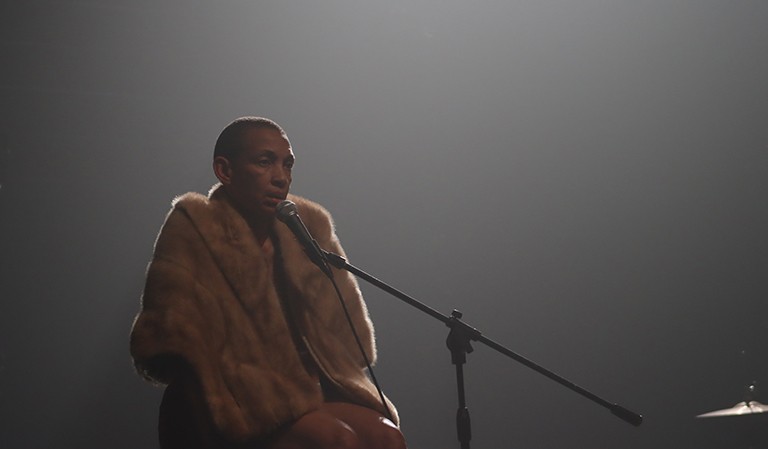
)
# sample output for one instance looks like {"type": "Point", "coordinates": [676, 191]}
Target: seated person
{"type": "Point", "coordinates": [245, 330]}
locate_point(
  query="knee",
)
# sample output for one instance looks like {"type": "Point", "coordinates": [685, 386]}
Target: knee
{"type": "Point", "coordinates": [387, 436]}
{"type": "Point", "coordinates": [341, 437]}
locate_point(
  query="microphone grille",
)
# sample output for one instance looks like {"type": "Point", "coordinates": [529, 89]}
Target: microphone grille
{"type": "Point", "coordinates": [285, 209]}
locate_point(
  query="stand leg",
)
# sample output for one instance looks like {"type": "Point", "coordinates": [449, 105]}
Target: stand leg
{"type": "Point", "coordinates": [463, 425]}
{"type": "Point", "coordinates": [458, 343]}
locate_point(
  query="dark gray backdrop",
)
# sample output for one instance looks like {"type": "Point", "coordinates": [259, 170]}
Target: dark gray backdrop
{"type": "Point", "coordinates": [584, 179]}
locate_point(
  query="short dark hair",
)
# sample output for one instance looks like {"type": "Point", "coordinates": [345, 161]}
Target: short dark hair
{"type": "Point", "coordinates": [230, 141]}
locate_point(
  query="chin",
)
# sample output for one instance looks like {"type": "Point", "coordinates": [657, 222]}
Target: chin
{"type": "Point", "coordinates": [267, 211]}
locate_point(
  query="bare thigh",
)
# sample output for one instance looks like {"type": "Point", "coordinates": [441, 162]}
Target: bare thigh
{"type": "Point", "coordinates": [340, 425]}
{"type": "Point", "coordinates": [374, 430]}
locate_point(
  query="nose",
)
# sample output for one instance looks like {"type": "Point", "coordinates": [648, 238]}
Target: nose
{"type": "Point", "coordinates": [280, 176]}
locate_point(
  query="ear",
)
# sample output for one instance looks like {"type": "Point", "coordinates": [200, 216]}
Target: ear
{"type": "Point", "coordinates": [222, 169]}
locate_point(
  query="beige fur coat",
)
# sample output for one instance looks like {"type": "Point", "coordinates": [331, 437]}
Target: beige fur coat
{"type": "Point", "coordinates": [209, 299]}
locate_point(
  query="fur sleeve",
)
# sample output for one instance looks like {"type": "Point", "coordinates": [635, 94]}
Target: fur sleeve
{"type": "Point", "coordinates": [175, 317]}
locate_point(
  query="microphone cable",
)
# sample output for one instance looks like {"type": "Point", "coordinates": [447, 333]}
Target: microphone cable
{"type": "Point", "coordinates": [287, 212]}
{"type": "Point", "coordinates": [360, 346]}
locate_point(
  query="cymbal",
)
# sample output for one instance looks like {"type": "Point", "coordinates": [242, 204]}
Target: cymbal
{"type": "Point", "coordinates": [742, 408]}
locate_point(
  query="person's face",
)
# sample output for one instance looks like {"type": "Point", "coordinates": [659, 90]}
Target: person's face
{"type": "Point", "coordinates": [259, 176]}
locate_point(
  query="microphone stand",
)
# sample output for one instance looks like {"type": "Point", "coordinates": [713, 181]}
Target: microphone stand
{"type": "Point", "coordinates": [458, 342]}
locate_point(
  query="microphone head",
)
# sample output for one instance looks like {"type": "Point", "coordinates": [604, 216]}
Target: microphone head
{"type": "Point", "coordinates": [285, 209]}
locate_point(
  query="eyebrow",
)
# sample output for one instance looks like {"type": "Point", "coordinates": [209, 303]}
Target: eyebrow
{"type": "Point", "coordinates": [272, 153]}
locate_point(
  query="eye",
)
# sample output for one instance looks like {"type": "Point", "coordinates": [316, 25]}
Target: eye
{"type": "Point", "coordinates": [264, 162]}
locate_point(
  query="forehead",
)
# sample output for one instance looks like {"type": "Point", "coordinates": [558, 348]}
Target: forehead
{"type": "Point", "coordinates": [260, 139]}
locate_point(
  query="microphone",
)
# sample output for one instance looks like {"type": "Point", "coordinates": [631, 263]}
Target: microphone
{"type": "Point", "coordinates": [287, 213]}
